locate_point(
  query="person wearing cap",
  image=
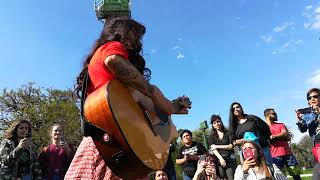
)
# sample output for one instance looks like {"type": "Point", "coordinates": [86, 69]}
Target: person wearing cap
{"type": "Point", "coordinates": [188, 154]}
{"type": "Point", "coordinates": [222, 147]}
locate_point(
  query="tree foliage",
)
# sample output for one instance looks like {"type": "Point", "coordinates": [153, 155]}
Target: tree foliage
{"type": "Point", "coordinates": [303, 151]}
{"type": "Point", "coordinates": [42, 107]}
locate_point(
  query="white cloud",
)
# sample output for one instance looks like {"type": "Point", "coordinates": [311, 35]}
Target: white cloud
{"type": "Point", "coordinates": [313, 19]}
{"type": "Point", "coordinates": [290, 46]}
{"type": "Point", "coordinates": [267, 38]}
{"type": "Point", "coordinates": [180, 56]}
{"type": "Point", "coordinates": [315, 79]}
{"type": "Point", "coordinates": [176, 48]}
{"type": "Point", "coordinates": [308, 7]}
{"type": "Point", "coordinates": [283, 26]}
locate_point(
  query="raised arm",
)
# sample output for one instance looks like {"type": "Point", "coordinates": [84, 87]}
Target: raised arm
{"type": "Point", "coordinates": [8, 153]}
{"type": "Point", "coordinates": [129, 75]}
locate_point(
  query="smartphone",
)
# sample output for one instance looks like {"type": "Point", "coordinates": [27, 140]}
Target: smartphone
{"type": "Point", "coordinates": [27, 135]}
{"type": "Point", "coordinates": [61, 142]}
{"type": "Point", "coordinates": [305, 110]}
{"type": "Point", "coordinates": [248, 153]}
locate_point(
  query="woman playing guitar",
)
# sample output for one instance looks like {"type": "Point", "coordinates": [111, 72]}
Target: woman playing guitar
{"type": "Point", "coordinates": [115, 55]}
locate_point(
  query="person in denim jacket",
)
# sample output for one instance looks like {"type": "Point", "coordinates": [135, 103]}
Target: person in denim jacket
{"type": "Point", "coordinates": [19, 160]}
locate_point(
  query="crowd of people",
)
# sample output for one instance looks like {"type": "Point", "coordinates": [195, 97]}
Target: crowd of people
{"type": "Point", "coordinates": [261, 145]}
{"type": "Point", "coordinates": [20, 160]}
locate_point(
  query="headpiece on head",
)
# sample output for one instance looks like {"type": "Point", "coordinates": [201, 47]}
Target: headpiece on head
{"type": "Point", "coordinates": [250, 136]}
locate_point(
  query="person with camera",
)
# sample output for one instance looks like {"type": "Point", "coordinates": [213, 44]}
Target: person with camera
{"type": "Point", "coordinates": [56, 157]}
{"type": "Point", "coordinates": [19, 159]}
{"type": "Point", "coordinates": [254, 165]}
{"type": "Point", "coordinates": [222, 148]}
{"type": "Point", "coordinates": [280, 150]}
{"type": "Point", "coordinates": [188, 154]}
{"type": "Point", "coordinates": [308, 118]}
{"type": "Point", "coordinates": [207, 168]}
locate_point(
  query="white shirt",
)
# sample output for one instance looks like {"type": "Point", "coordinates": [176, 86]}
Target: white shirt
{"type": "Point", "coordinates": [251, 175]}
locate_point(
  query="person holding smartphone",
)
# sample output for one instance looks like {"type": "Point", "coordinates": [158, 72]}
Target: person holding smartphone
{"type": "Point", "coordinates": [56, 157]}
{"type": "Point", "coordinates": [206, 168]}
{"type": "Point", "coordinates": [313, 98]}
{"type": "Point", "coordinates": [254, 165]}
{"type": "Point", "coordinates": [18, 158]}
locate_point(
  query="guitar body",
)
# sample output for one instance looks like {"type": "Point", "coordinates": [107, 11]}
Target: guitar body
{"type": "Point", "coordinates": [135, 142]}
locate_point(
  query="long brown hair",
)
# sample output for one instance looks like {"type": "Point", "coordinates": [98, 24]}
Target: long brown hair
{"type": "Point", "coordinates": [126, 31]}
{"type": "Point", "coordinates": [11, 133]}
{"type": "Point", "coordinates": [261, 161]}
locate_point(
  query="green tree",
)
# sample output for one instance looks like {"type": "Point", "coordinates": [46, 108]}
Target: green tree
{"type": "Point", "coordinates": [303, 151]}
{"type": "Point", "coordinates": [42, 107]}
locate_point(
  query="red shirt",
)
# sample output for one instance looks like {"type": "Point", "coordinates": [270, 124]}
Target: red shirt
{"type": "Point", "coordinates": [98, 72]}
{"type": "Point", "coordinates": [87, 162]}
{"type": "Point", "coordinates": [279, 147]}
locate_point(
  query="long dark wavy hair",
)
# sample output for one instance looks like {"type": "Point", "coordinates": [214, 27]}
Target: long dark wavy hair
{"type": "Point", "coordinates": [233, 121]}
{"type": "Point", "coordinates": [214, 133]}
{"type": "Point", "coordinates": [11, 133]}
{"type": "Point", "coordinates": [126, 31]}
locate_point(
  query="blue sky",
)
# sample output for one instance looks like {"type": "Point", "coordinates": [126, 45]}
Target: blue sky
{"type": "Point", "coordinates": [260, 53]}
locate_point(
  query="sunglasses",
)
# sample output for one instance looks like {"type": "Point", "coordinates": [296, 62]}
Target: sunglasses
{"type": "Point", "coordinates": [310, 97]}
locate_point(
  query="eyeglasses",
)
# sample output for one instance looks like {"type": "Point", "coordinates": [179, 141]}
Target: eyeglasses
{"type": "Point", "coordinates": [314, 96]}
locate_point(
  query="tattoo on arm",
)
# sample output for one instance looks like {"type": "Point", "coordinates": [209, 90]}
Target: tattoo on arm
{"type": "Point", "coordinates": [129, 75]}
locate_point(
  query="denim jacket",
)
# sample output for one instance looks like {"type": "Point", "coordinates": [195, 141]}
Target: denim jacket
{"type": "Point", "coordinates": [9, 155]}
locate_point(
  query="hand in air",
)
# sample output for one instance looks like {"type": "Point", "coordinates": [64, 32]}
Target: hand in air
{"type": "Point", "coordinates": [184, 103]}
{"type": "Point", "coordinates": [299, 115]}
{"type": "Point", "coordinates": [25, 143]}
{"type": "Point", "coordinates": [316, 109]}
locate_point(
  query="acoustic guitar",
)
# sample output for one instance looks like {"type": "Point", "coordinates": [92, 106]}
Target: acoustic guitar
{"type": "Point", "coordinates": [136, 136]}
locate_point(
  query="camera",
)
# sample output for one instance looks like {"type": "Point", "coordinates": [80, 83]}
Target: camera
{"type": "Point", "coordinates": [27, 135]}
{"type": "Point", "coordinates": [308, 115]}
{"type": "Point", "coordinates": [248, 153]}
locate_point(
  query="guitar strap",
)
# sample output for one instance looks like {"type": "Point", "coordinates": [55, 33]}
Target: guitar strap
{"type": "Point", "coordinates": [87, 128]}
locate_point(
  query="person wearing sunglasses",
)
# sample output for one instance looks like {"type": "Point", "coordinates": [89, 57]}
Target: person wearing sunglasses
{"type": "Point", "coordinates": [280, 150]}
{"type": "Point", "coordinates": [222, 147]}
{"type": "Point", "coordinates": [313, 98]}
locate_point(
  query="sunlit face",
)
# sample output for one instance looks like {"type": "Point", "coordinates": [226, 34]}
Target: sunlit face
{"type": "Point", "coordinates": [272, 115]}
{"type": "Point", "coordinates": [161, 175]}
{"type": "Point", "coordinates": [186, 138]}
{"type": "Point", "coordinates": [251, 146]}
{"type": "Point", "coordinates": [22, 130]}
{"type": "Point", "coordinates": [237, 110]}
{"type": "Point", "coordinates": [57, 133]}
{"type": "Point", "coordinates": [313, 99]}
{"type": "Point", "coordinates": [216, 124]}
